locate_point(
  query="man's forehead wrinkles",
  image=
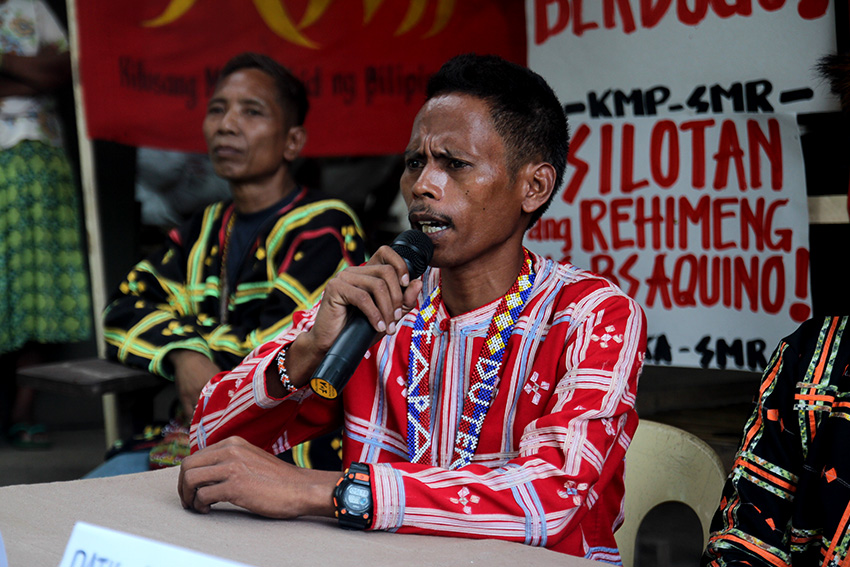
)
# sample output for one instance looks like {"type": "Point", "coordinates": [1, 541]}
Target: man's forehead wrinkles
{"type": "Point", "coordinates": [252, 101]}
{"type": "Point", "coordinates": [444, 144]}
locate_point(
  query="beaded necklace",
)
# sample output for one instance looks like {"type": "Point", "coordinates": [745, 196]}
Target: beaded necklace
{"type": "Point", "coordinates": [483, 379]}
{"type": "Point", "coordinates": [224, 300]}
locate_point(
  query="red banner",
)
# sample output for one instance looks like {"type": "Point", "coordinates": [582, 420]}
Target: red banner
{"type": "Point", "coordinates": [149, 67]}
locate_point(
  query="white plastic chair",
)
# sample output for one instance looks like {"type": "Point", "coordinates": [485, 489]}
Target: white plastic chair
{"type": "Point", "coordinates": [667, 464]}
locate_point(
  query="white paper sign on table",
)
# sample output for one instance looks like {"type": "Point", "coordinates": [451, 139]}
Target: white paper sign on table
{"type": "Point", "coordinates": [103, 547]}
{"type": "Point", "coordinates": [4, 561]}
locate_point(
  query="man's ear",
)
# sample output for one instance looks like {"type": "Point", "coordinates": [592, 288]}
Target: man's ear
{"type": "Point", "coordinates": [539, 185]}
{"type": "Point", "coordinates": [296, 137]}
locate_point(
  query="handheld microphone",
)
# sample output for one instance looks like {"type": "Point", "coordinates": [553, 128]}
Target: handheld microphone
{"type": "Point", "coordinates": [356, 337]}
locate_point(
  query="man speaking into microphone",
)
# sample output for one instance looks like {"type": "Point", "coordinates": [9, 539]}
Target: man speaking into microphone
{"type": "Point", "coordinates": [497, 399]}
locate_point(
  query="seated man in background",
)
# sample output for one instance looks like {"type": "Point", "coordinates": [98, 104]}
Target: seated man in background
{"type": "Point", "coordinates": [787, 499]}
{"type": "Point", "coordinates": [499, 399]}
{"type": "Point", "coordinates": [230, 279]}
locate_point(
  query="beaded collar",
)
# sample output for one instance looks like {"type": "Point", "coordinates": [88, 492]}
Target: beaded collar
{"type": "Point", "coordinates": [482, 383]}
{"type": "Point", "coordinates": [224, 284]}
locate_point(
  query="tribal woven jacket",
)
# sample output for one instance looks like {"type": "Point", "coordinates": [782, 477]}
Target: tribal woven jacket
{"type": "Point", "coordinates": [172, 300]}
{"type": "Point", "coordinates": [787, 499]}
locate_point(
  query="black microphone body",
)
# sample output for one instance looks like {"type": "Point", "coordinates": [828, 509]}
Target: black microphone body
{"type": "Point", "coordinates": [356, 337]}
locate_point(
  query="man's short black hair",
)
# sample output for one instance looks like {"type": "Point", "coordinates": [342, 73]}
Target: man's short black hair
{"type": "Point", "coordinates": [835, 69]}
{"type": "Point", "coordinates": [525, 111]}
{"type": "Point", "coordinates": [291, 91]}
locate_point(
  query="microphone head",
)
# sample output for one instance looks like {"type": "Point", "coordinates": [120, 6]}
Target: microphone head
{"type": "Point", "coordinates": [416, 249]}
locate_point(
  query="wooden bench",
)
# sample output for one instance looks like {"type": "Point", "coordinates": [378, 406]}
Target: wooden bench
{"type": "Point", "coordinates": [91, 377]}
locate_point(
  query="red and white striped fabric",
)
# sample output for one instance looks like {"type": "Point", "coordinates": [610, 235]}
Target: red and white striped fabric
{"type": "Point", "coordinates": [548, 470]}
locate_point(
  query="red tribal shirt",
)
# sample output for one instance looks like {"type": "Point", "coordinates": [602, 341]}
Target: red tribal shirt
{"type": "Point", "coordinates": [548, 469]}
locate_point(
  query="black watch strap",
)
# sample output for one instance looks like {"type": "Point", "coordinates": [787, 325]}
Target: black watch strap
{"type": "Point", "coordinates": [353, 497]}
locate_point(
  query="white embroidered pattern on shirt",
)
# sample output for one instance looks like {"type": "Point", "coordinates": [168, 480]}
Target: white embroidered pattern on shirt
{"type": "Point", "coordinates": [573, 490]}
{"type": "Point", "coordinates": [605, 339]}
{"type": "Point", "coordinates": [464, 501]}
{"type": "Point", "coordinates": [532, 386]}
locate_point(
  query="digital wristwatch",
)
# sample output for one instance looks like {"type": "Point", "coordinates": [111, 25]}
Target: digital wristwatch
{"type": "Point", "coordinates": [353, 498]}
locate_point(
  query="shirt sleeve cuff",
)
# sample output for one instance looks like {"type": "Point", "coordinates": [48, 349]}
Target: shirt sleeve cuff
{"type": "Point", "coordinates": [388, 497]}
{"type": "Point", "coordinates": [160, 365]}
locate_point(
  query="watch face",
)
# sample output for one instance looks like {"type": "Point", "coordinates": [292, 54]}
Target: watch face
{"type": "Point", "coordinates": [356, 499]}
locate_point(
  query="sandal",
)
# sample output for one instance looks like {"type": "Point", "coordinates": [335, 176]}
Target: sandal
{"type": "Point", "coordinates": [28, 436]}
